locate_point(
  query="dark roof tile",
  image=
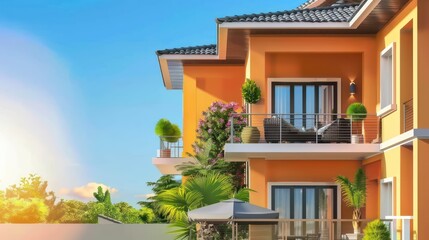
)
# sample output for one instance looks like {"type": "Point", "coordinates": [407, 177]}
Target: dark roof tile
{"type": "Point", "coordinates": [195, 50]}
{"type": "Point", "coordinates": [341, 13]}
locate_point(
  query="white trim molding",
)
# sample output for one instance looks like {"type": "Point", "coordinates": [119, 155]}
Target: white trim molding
{"type": "Point", "coordinates": [405, 138]}
{"type": "Point", "coordinates": [383, 198]}
{"type": "Point", "coordinates": [388, 73]}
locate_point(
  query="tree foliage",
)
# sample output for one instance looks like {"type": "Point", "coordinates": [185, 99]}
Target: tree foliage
{"type": "Point", "coordinates": [216, 126]}
{"type": "Point", "coordinates": [29, 201]}
{"type": "Point", "coordinates": [151, 206]}
{"type": "Point", "coordinates": [213, 132]}
{"type": "Point", "coordinates": [103, 197]}
{"type": "Point", "coordinates": [18, 210]}
{"type": "Point", "coordinates": [196, 192]}
{"type": "Point", "coordinates": [167, 131]}
{"type": "Point", "coordinates": [376, 230]}
{"type": "Point", "coordinates": [74, 211]}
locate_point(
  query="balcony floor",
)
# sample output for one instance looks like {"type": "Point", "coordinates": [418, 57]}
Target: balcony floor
{"type": "Point", "coordinates": [168, 165]}
{"type": "Point", "coordinates": [300, 151]}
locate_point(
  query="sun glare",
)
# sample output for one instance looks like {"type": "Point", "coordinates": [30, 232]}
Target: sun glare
{"type": "Point", "coordinates": [33, 133]}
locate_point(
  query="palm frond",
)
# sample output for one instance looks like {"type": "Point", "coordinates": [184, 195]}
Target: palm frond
{"type": "Point", "coordinates": [183, 230]}
{"type": "Point", "coordinates": [213, 187]}
{"type": "Point", "coordinates": [243, 194]}
{"type": "Point", "coordinates": [354, 193]}
{"type": "Point", "coordinates": [360, 181]}
{"type": "Point", "coordinates": [175, 203]}
{"type": "Point", "coordinates": [347, 189]}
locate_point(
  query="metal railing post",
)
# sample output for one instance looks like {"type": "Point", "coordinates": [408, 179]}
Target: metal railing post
{"type": "Point", "coordinates": [316, 127]}
{"type": "Point", "coordinates": [351, 129]}
{"type": "Point", "coordinates": [280, 119]}
{"type": "Point", "coordinates": [232, 129]}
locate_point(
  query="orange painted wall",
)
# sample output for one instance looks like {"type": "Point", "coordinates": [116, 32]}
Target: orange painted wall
{"type": "Point", "coordinates": [391, 33]}
{"type": "Point", "coordinates": [347, 66]}
{"type": "Point", "coordinates": [421, 147]}
{"type": "Point", "coordinates": [373, 174]}
{"type": "Point", "coordinates": [204, 84]}
{"type": "Point", "coordinates": [263, 172]}
{"type": "Point", "coordinates": [319, 57]}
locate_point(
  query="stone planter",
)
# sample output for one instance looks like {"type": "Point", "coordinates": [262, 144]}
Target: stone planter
{"type": "Point", "coordinates": [357, 138]}
{"type": "Point", "coordinates": [250, 135]}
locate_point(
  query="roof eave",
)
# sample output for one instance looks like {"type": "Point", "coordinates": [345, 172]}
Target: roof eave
{"type": "Point", "coordinates": [173, 63]}
{"type": "Point", "coordinates": [364, 10]}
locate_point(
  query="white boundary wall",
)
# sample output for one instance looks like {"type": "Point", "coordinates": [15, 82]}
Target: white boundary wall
{"type": "Point", "coordinates": [85, 232]}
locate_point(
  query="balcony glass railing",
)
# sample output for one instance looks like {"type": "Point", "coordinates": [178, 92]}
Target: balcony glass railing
{"type": "Point", "coordinates": [307, 128]}
{"type": "Point", "coordinates": [170, 147]}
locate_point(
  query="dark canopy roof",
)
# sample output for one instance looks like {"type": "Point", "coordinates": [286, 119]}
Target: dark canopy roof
{"type": "Point", "coordinates": [232, 209]}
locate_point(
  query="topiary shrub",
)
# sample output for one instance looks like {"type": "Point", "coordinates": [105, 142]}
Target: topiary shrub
{"type": "Point", "coordinates": [168, 131]}
{"type": "Point", "coordinates": [356, 111]}
{"type": "Point", "coordinates": [376, 230]}
{"type": "Point", "coordinates": [251, 92]}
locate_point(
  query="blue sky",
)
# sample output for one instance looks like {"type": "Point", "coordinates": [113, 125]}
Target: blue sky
{"type": "Point", "coordinates": [93, 63]}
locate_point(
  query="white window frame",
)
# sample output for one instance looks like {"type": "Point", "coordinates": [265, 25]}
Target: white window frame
{"type": "Point", "coordinates": [303, 80]}
{"type": "Point", "coordinates": [382, 195]}
{"type": "Point", "coordinates": [388, 51]}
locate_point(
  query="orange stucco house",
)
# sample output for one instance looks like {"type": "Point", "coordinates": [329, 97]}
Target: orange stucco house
{"type": "Point", "coordinates": [310, 64]}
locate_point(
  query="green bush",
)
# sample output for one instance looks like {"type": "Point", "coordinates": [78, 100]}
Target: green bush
{"type": "Point", "coordinates": [376, 230]}
{"type": "Point", "coordinates": [356, 111]}
{"type": "Point", "coordinates": [167, 131]}
{"type": "Point", "coordinates": [251, 92]}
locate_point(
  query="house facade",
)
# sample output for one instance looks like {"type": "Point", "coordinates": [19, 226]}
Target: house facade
{"type": "Point", "coordinates": [311, 63]}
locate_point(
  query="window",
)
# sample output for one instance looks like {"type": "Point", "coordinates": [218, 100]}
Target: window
{"type": "Point", "coordinates": [387, 81]}
{"type": "Point", "coordinates": [305, 202]}
{"type": "Point", "coordinates": [386, 197]}
{"type": "Point", "coordinates": [300, 102]}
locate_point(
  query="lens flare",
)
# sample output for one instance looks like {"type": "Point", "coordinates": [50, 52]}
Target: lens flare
{"type": "Point", "coordinates": [35, 89]}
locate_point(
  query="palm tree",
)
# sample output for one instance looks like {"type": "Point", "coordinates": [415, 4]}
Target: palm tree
{"type": "Point", "coordinates": [205, 163]}
{"type": "Point", "coordinates": [354, 194]}
{"type": "Point", "coordinates": [196, 192]}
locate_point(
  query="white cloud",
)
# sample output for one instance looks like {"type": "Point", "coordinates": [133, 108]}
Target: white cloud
{"type": "Point", "coordinates": [145, 196]}
{"type": "Point", "coordinates": [87, 191]}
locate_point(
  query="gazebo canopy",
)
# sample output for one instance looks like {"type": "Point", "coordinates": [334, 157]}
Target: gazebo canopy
{"type": "Point", "coordinates": [232, 209]}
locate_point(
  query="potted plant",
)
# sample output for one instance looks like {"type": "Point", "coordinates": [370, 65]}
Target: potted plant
{"type": "Point", "coordinates": [168, 133]}
{"type": "Point", "coordinates": [357, 113]}
{"type": "Point", "coordinates": [376, 230]}
{"type": "Point", "coordinates": [354, 194]}
{"type": "Point", "coordinates": [251, 94]}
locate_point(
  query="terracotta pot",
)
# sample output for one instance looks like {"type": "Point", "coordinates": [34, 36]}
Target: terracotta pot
{"type": "Point", "coordinates": [250, 135]}
{"type": "Point", "coordinates": [165, 153]}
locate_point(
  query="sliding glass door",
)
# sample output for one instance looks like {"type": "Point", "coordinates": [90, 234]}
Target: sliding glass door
{"type": "Point", "coordinates": [305, 202]}
{"type": "Point", "coordinates": [301, 101]}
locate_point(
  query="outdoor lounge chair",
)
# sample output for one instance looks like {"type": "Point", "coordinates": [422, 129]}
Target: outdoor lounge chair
{"type": "Point", "coordinates": [338, 131]}
{"type": "Point", "coordinates": [313, 236]}
{"type": "Point", "coordinates": [279, 130]}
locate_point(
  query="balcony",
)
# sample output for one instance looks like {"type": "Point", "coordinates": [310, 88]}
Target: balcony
{"type": "Point", "coordinates": [170, 155]}
{"type": "Point", "coordinates": [305, 136]}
